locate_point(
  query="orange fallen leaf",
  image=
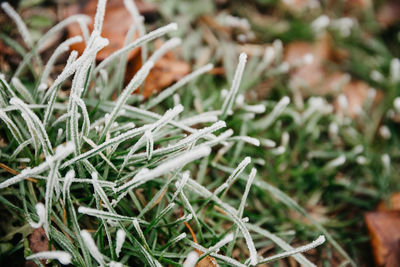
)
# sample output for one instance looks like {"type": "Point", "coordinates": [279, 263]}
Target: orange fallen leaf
{"type": "Point", "coordinates": [38, 242]}
{"type": "Point", "coordinates": [392, 204]}
{"type": "Point", "coordinates": [311, 77]}
{"type": "Point", "coordinates": [166, 70]}
{"type": "Point", "coordinates": [356, 93]}
{"type": "Point", "coordinates": [117, 22]}
{"type": "Point", "coordinates": [384, 229]}
{"type": "Point", "coordinates": [317, 79]}
{"type": "Point", "coordinates": [389, 13]}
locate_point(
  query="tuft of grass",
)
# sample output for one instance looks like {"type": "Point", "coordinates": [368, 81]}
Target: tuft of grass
{"type": "Point", "coordinates": [118, 181]}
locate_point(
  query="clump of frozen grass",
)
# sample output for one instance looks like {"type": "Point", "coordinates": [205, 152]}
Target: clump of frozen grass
{"type": "Point", "coordinates": [111, 151]}
{"type": "Point", "coordinates": [62, 256]}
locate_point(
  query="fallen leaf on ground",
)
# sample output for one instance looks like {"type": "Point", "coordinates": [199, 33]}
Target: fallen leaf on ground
{"type": "Point", "coordinates": [389, 13]}
{"type": "Point", "coordinates": [384, 229]}
{"type": "Point", "coordinates": [311, 77]}
{"type": "Point", "coordinates": [392, 204]}
{"type": "Point", "coordinates": [166, 70]}
{"type": "Point", "coordinates": [316, 78]}
{"type": "Point", "coordinates": [38, 242]}
{"type": "Point", "coordinates": [117, 22]}
{"type": "Point", "coordinates": [356, 93]}
{"type": "Point", "coordinates": [207, 261]}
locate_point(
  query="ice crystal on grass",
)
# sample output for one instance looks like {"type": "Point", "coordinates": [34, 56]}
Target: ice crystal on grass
{"type": "Point", "coordinates": [62, 256]}
{"type": "Point", "coordinates": [107, 153]}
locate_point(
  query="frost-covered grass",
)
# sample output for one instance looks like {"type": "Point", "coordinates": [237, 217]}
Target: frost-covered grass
{"type": "Point", "coordinates": [112, 184]}
{"type": "Point", "coordinates": [113, 181]}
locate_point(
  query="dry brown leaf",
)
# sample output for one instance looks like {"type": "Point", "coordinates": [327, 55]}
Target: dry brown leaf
{"type": "Point", "coordinates": [310, 77]}
{"type": "Point", "coordinates": [389, 13]}
{"type": "Point", "coordinates": [166, 70]}
{"type": "Point", "coordinates": [117, 22]}
{"type": "Point", "coordinates": [392, 204]}
{"type": "Point", "coordinates": [356, 93]}
{"type": "Point", "coordinates": [384, 229]}
{"type": "Point", "coordinates": [38, 242]}
{"type": "Point", "coordinates": [207, 261]}
{"type": "Point", "coordinates": [316, 79]}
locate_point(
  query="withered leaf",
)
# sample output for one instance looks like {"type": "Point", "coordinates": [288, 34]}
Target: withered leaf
{"type": "Point", "coordinates": [117, 22]}
{"type": "Point", "coordinates": [166, 70]}
{"type": "Point", "coordinates": [384, 229]}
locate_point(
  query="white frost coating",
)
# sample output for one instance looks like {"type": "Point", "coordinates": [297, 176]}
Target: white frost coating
{"type": "Point", "coordinates": [115, 264]}
{"type": "Point", "coordinates": [358, 149]}
{"type": "Point", "coordinates": [238, 170]}
{"type": "Point", "coordinates": [148, 37]}
{"type": "Point", "coordinates": [59, 26]}
{"type": "Point", "coordinates": [88, 54]}
{"type": "Point", "coordinates": [343, 102]}
{"type": "Point", "coordinates": [385, 132]}
{"type": "Point", "coordinates": [376, 76]}
{"type": "Point", "coordinates": [180, 184]}
{"type": "Point", "coordinates": [99, 17]}
{"type": "Point", "coordinates": [138, 21]}
{"type": "Point", "coordinates": [319, 241]}
{"type": "Point", "coordinates": [251, 140]}
{"type": "Point", "coordinates": [127, 135]}
{"type": "Point", "coordinates": [260, 108]}
{"type": "Point", "coordinates": [164, 168]}
{"type": "Point", "coordinates": [12, 127]}
{"type": "Point", "coordinates": [171, 90]}
{"type": "Point", "coordinates": [67, 183]}
{"type": "Point", "coordinates": [35, 125]}
{"type": "Point", "coordinates": [91, 245]}
{"type": "Point", "coordinates": [278, 46]}
{"type": "Point", "coordinates": [168, 45]}
{"type": "Point", "coordinates": [308, 59]}
{"type": "Point", "coordinates": [361, 160]}
{"type": "Point", "coordinates": [320, 23]}
{"type": "Point", "coordinates": [179, 237]}
{"type": "Point", "coordinates": [20, 87]}
{"type": "Point", "coordinates": [191, 259]}
{"type": "Point", "coordinates": [271, 117]}
{"type": "Point", "coordinates": [396, 104]}
{"type": "Point", "coordinates": [246, 191]}
{"type": "Point", "coordinates": [343, 25]}
{"type": "Point", "coordinates": [231, 212]}
{"type": "Point", "coordinates": [120, 241]}
{"type": "Point", "coordinates": [278, 151]}
{"type": "Point", "coordinates": [227, 239]}
{"type": "Point", "coordinates": [23, 30]}
{"type": "Point", "coordinates": [61, 153]}
{"type": "Point", "coordinates": [230, 99]}
{"type": "Point", "coordinates": [333, 129]}
{"type": "Point", "coordinates": [62, 256]}
{"type": "Point", "coordinates": [268, 143]}
{"type": "Point", "coordinates": [386, 162]}
{"type": "Point", "coordinates": [130, 88]}
{"type": "Point", "coordinates": [135, 223]}
{"type": "Point", "coordinates": [149, 144]}
{"type": "Point", "coordinates": [63, 47]}
{"type": "Point", "coordinates": [336, 162]}
{"type": "Point", "coordinates": [269, 55]}
{"type": "Point", "coordinates": [395, 70]}
{"type": "Point", "coordinates": [201, 118]}
{"type": "Point", "coordinates": [239, 100]}
{"type": "Point", "coordinates": [285, 139]}
{"type": "Point", "coordinates": [41, 212]}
